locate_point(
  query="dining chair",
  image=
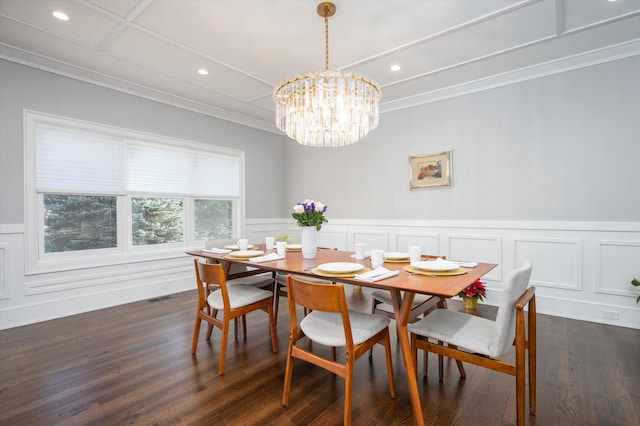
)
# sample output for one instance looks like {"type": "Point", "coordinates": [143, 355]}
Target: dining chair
{"type": "Point", "coordinates": [422, 304]}
{"type": "Point", "coordinates": [382, 304]}
{"type": "Point", "coordinates": [280, 288]}
{"type": "Point", "coordinates": [481, 341]}
{"type": "Point", "coordinates": [233, 301]}
{"type": "Point", "coordinates": [254, 277]}
{"type": "Point", "coordinates": [332, 324]}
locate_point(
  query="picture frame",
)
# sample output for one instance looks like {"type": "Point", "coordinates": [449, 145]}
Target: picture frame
{"type": "Point", "coordinates": [430, 170]}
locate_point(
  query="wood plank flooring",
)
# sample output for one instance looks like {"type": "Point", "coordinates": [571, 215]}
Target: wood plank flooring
{"type": "Point", "coordinates": [132, 364]}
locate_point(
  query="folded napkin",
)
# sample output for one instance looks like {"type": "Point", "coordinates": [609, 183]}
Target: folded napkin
{"type": "Point", "coordinates": [267, 258]}
{"type": "Point", "coordinates": [217, 250]}
{"type": "Point", "coordinates": [466, 264]}
{"type": "Point", "coordinates": [377, 274]}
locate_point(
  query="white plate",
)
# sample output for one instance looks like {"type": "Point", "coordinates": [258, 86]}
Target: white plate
{"type": "Point", "coordinates": [435, 265]}
{"type": "Point", "coordinates": [235, 247]}
{"type": "Point", "coordinates": [294, 246]}
{"type": "Point", "coordinates": [340, 267]}
{"type": "Point", "coordinates": [246, 253]}
{"type": "Point", "coordinates": [396, 255]}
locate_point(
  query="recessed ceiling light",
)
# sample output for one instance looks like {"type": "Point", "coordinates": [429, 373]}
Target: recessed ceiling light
{"type": "Point", "coordinates": [60, 15]}
{"type": "Point", "coordinates": [202, 71]}
{"type": "Point", "coordinates": [395, 67]}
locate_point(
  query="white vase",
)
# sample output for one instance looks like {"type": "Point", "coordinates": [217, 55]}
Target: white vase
{"type": "Point", "coordinates": [309, 242]}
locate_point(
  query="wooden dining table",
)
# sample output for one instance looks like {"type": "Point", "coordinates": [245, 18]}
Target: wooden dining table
{"type": "Point", "coordinates": [403, 288]}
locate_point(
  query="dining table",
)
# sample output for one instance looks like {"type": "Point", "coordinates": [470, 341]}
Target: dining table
{"type": "Point", "coordinates": [403, 287]}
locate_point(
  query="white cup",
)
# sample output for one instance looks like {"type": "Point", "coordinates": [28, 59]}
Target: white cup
{"type": "Point", "coordinates": [415, 254]}
{"type": "Point", "coordinates": [377, 258]}
{"type": "Point", "coordinates": [281, 248]}
{"type": "Point", "coordinates": [243, 244]}
{"type": "Point", "coordinates": [268, 242]}
{"type": "Point", "coordinates": [359, 250]}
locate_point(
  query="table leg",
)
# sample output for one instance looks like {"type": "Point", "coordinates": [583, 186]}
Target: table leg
{"type": "Point", "coordinates": [401, 309]}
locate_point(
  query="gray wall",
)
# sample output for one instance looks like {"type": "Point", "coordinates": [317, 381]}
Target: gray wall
{"type": "Point", "coordinates": [565, 147]}
{"type": "Point", "coordinates": [23, 87]}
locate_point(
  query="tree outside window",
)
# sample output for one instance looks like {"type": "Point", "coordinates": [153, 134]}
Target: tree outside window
{"type": "Point", "coordinates": [79, 222]}
{"type": "Point", "coordinates": [157, 220]}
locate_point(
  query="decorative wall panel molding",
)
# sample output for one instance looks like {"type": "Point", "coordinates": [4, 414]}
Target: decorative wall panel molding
{"type": "Point", "coordinates": [616, 264]}
{"type": "Point", "coordinates": [478, 248]}
{"type": "Point", "coordinates": [557, 261]}
{"type": "Point", "coordinates": [3, 271]}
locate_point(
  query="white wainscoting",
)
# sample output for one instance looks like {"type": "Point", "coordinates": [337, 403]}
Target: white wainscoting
{"type": "Point", "coordinates": [34, 298]}
{"type": "Point", "coordinates": [580, 270]}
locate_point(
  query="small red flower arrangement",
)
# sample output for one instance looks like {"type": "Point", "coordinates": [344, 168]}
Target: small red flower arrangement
{"type": "Point", "coordinates": [477, 289]}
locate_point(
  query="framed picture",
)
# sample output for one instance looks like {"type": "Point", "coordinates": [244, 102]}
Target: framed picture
{"type": "Point", "coordinates": [430, 171]}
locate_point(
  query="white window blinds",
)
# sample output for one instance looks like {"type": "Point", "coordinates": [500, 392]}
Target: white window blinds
{"type": "Point", "coordinates": [73, 160]}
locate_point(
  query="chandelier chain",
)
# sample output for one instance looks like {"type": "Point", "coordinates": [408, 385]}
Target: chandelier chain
{"type": "Point", "coordinates": [326, 38]}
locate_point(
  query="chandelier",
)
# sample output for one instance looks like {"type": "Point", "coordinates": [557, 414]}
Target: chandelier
{"type": "Point", "coordinates": [327, 108]}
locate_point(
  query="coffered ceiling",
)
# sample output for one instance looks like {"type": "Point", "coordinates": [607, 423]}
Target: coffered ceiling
{"type": "Point", "coordinates": [154, 48]}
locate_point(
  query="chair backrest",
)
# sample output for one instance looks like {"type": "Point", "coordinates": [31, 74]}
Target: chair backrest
{"type": "Point", "coordinates": [210, 273]}
{"type": "Point", "coordinates": [505, 324]}
{"type": "Point", "coordinates": [235, 268]}
{"type": "Point", "coordinates": [319, 297]}
{"type": "Point", "coordinates": [220, 242]}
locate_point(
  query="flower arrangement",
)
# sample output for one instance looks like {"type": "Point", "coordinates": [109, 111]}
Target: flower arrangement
{"type": "Point", "coordinates": [310, 213]}
{"type": "Point", "coordinates": [283, 237]}
{"type": "Point", "coordinates": [477, 289]}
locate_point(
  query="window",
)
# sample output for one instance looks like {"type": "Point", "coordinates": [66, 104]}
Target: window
{"type": "Point", "coordinates": [79, 222]}
{"type": "Point", "coordinates": [98, 192]}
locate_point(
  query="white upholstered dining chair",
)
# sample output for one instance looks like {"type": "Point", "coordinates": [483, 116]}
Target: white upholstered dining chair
{"type": "Point", "coordinates": [480, 341]}
{"type": "Point", "coordinates": [232, 301]}
{"type": "Point", "coordinates": [332, 324]}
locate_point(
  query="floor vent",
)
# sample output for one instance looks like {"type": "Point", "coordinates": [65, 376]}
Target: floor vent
{"type": "Point", "coordinates": [160, 299]}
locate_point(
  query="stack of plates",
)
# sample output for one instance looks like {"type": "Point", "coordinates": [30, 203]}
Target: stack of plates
{"type": "Point", "coordinates": [246, 254]}
{"type": "Point", "coordinates": [294, 247]}
{"type": "Point", "coordinates": [340, 267]}
{"type": "Point", "coordinates": [235, 247]}
{"type": "Point", "coordinates": [439, 265]}
{"type": "Point", "coordinates": [396, 257]}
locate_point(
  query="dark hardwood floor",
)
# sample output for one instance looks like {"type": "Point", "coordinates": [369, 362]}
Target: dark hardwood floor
{"type": "Point", "coordinates": [132, 364]}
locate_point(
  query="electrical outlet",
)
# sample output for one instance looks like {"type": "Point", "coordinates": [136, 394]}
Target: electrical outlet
{"type": "Point", "coordinates": [612, 315]}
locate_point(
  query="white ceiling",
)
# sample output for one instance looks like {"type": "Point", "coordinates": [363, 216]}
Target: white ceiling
{"type": "Point", "coordinates": [154, 48]}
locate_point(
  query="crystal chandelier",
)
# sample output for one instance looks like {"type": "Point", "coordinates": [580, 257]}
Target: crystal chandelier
{"type": "Point", "coordinates": [328, 108]}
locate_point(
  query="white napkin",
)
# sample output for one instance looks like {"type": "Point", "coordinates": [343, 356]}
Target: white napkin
{"type": "Point", "coordinates": [217, 250]}
{"type": "Point", "coordinates": [266, 258]}
{"type": "Point", "coordinates": [377, 274]}
{"type": "Point", "coordinates": [466, 264]}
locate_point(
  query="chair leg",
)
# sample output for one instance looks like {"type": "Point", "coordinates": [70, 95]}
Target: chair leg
{"type": "Point", "coordinates": [348, 387]}
{"type": "Point", "coordinates": [272, 327]}
{"type": "Point", "coordinates": [288, 372]}
{"type": "Point", "coordinates": [463, 374]}
{"type": "Point", "coordinates": [387, 350]}
{"type": "Point", "coordinates": [373, 311]}
{"type": "Point", "coordinates": [276, 301]}
{"type": "Point", "coordinates": [196, 334]}
{"type": "Point", "coordinates": [333, 353]}
{"type": "Point", "coordinates": [440, 363]}
{"type": "Point", "coordinates": [209, 331]}
{"type": "Point", "coordinates": [214, 313]}
{"type": "Point", "coordinates": [425, 362]}
{"type": "Point", "coordinates": [414, 351]}
{"type": "Point", "coordinates": [532, 356]}
{"type": "Point", "coordinates": [235, 328]}
{"type": "Point", "coordinates": [244, 327]}
{"type": "Point", "coordinates": [223, 345]}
